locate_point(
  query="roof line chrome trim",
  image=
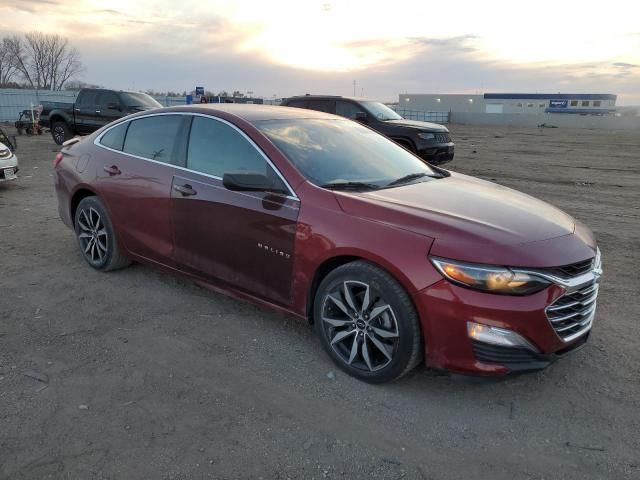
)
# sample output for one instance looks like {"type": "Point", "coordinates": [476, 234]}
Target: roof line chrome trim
{"type": "Point", "coordinates": [96, 142]}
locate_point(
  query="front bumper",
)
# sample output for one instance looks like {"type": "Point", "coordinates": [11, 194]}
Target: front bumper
{"type": "Point", "coordinates": [8, 168]}
{"type": "Point", "coordinates": [437, 154]}
{"type": "Point", "coordinates": [446, 308]}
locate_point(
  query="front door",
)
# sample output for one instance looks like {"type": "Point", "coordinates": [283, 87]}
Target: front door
{"type": "Point", "coordinates": [135, 176]}
{"type": "Point", "coordinates": [244, 239]}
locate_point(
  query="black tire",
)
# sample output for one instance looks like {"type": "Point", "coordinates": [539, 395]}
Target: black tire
{"type": "Point", "coordinates": [60, 132]}
{"type": "Point", "coordinates": [96, 237]}
{"type": "Point", "coordinates": [387, 321]}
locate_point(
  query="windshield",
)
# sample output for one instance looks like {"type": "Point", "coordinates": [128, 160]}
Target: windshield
{"type": "Point", "coordinates": [138, 100]}
{"type": "Point", "coordinates": [341, 151]}
{"type": "Point", "coordinates": [380, 111]}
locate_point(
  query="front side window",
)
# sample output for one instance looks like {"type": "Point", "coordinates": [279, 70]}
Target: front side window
{"type": "Point", "coordinates": [114, 138]}
{"type": "Point", "coordinates": [153, 137]}
{"type": "Point", "coordinates": [140, 100]}
{"type": "Point", "coordinates": [347, 109]}
{"type": "Point", "coordinates": [380, 111]}
{"type": "Point", "coordinates": [216, 148]}
{"type": "Point", "coordinates": [338, 151]}
{"type": "Point", "coordinates": [106, 98]}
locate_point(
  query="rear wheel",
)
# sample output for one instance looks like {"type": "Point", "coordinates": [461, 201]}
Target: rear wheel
{"type": "Point", "coordinates": [96, 237]}
{"type": "Point", "coordinates": [367, 323]}
{"type": "Point", "coordinates": [60, 132]}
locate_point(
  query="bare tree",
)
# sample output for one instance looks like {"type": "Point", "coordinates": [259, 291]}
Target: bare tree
{"type": "Point", "coordinates": [44, 60]}
{"type": "Point", "coordinates": [8, 68]}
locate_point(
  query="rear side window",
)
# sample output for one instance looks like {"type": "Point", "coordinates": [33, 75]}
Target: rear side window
{"type": "Point", "coordinates": [320, 105]}
{"type": "Point", "coordinates": [87, 97]}
{"type": "Point", "coordinates": [347, 109]}
{"type": "Point", "coordinates": [153, 137]}
{"type": "Point", "coordinates": [297, 103]}
{"type": "Point", "coordinates": [114, 138]}
{"type": "Point", "coordinates": [215, 148]}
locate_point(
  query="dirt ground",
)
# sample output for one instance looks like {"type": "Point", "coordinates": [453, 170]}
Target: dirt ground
{"type": "Point", "coordinates": [138, 374]}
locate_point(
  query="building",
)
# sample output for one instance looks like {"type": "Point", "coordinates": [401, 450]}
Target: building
{"type": "Point", "coordinates": [527, 103]}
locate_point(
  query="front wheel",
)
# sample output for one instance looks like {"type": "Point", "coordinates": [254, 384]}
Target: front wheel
{"type": "Point", "coordinates": [367, 323]}
{"type": "Point", "coordinates": [96, 237]}
{"type": "Point", "coordinates": [60, 132]}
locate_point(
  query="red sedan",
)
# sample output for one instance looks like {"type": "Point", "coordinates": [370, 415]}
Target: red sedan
{"type": "Point", "coordinates": [395, 262]}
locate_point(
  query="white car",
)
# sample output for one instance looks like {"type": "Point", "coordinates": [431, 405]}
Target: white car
{"type": "Point", "coordinates": [8, 164]}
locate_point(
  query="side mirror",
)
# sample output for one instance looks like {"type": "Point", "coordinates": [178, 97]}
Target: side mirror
{"type": "Point", "coordinates": [361, 117]}
{"type": "Point", "coordinates": [249, 182]}
{"type": "Point", "coordinates": [113, 106]}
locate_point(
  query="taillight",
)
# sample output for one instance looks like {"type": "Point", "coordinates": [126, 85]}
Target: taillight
{"type": "Point", "coordinates": [57, 160]}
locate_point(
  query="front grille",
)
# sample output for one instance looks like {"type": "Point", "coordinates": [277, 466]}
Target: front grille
{"type": "Point", "coordinates": [443, 137]}
{"type": "Point", "coordinates": [572, 314]}
{"type": "Point", "coordinates": [572, 270]}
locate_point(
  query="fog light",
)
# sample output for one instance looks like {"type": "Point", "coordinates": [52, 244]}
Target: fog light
{"type": "Point", "coordinates": [497, 336]}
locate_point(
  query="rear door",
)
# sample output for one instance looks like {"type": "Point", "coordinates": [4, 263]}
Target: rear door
{"type": "Point", "coordinates": [244, 239]}
{"type": "Point", "coordinates": [85, 111]}
{"type": "Point", "coordinates": [135, 172]}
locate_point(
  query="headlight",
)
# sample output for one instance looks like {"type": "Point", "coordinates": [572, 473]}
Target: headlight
{"type": "Point", "coordinates": [490, 279]}
{"type": "Point", "coordinates": [426, 136]}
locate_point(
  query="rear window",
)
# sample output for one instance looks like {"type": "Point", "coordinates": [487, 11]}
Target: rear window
{"type": "Point", "coordinates": [153, 137]}
{"type": "Point", "coordinates": [114, 138]}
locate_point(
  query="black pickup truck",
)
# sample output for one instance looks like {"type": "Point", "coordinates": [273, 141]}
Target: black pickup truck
{"type": "Point", "coordinates": [429, 141]}
{"type": "Point", "coordinates": [93, 108]}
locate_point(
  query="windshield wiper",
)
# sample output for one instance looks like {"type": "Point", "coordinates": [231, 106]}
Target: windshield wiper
{"type": "Point", "coordinates": [407, 178]}
{"type": "Point", "coordinates": [350, 185]}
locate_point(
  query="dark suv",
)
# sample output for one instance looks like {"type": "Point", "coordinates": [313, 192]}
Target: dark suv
{"type": "Point", "coordinates": [429, 141]}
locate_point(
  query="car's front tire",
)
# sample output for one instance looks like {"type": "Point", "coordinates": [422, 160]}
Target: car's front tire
{"type": "Point", "coordinates": [96, 237]}
{"type": "Point", "coordinates": [367, 323]}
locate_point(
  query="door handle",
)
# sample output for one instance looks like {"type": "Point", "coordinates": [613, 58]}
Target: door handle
{"type": "Point", "coordinates": [112, 170]}
{"type": "Point", "coordinates": [97, 111]}
{"type": "Point", "coordinates": [186, 190]}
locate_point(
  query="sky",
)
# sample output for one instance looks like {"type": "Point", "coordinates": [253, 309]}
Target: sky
{"type": "Point", "coordinates": [287, 47]}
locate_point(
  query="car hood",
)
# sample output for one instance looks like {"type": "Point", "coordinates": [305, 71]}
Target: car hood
{"type": "Point", "coordinates": [471, 219]}
{"type": "Point", "coordinates": [424, 126]}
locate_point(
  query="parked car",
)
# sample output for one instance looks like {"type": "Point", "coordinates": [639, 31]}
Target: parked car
{"type": "Point", "coordinates": [394, 261]}
{"type": "Point", "coordinates": [8, 163]}
{"type": "Point", "coordinates": [430, 141]}
{"type": "Point", "coordinates": [93, 109]}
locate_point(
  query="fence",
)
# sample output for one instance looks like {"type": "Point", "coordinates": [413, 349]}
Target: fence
{"type": "Point", "coordinates": [13, 101]}
{"type": "Point", "coordinates": [435, 117]}
{"type": "Point", "coordinates": [560, 120]}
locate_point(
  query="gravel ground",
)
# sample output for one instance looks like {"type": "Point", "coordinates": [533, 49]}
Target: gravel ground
{"type": "Point", "coordinates": [138, 374]}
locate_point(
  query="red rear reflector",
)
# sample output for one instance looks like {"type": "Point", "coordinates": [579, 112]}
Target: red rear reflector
{"type": "Point", "coordinates": [57, 160]}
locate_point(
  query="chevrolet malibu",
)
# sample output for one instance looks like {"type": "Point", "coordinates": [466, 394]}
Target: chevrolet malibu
{"type": "Point", "coordinates": [395, 262]}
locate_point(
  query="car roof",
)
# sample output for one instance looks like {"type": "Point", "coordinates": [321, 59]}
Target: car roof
{"type": "Point", "coordinates": [251, 112]}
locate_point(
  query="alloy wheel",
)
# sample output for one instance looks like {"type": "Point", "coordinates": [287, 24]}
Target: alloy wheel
{"type": "Point", "coordinates": [58, 134]}
{"type": "Point", "coordinates": [93, 235]}
{"type": "Point", "coordinates": [361, 326]}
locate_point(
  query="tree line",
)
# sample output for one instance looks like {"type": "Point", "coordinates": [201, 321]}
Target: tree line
{"type": "Point", "coordinates": [38, 60]}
